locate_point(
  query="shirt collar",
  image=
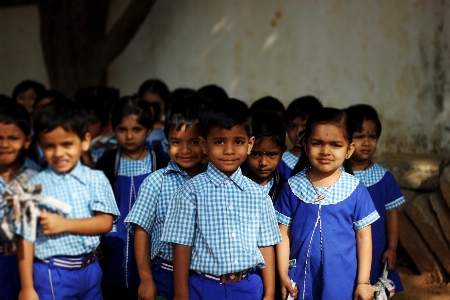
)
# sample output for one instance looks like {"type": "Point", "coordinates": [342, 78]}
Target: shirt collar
{"type": "Point", "coordinates": [217, 177]}
{"type": "Point", "coordinates": [78, 173]}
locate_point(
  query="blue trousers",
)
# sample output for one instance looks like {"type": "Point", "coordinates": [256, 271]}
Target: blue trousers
{"type": "Point", "coordinates": [52, 282]}
{"type": "Point", "coordinates": [163, 279]}
{"type": "Point", "coordinates": [200, 287]}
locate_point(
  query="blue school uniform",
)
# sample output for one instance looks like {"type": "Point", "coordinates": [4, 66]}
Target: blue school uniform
{"type": "Point", "coordinates": [149, 212]}
{"type": "Point", "coordinates": [322, 240]}
{"type": "Point", "coordinates": [386, 195]}
{"type": "Point", "coordinates": [9, 272]}
{"type": "Point", "coordinates": [287, 164]}
{"type": "Point", "coordinates": [58, 271]}
{"type": "Point", "coordinates": [119, 265]}
{"type": "Point", "coordinates": [225, 220]}
{"type": "Point", "coordinates": [157, 140]}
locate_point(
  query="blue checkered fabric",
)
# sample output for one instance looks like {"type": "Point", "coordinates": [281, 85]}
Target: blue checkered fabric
{"type": "Point", "coordinates": [224, 219]}
{"type": "Point", "coordinates": [372, 175]}
{"type": "Point", "coordinates": [87, 191]}
{"type": "Point", "coordinates": [150, 209]}
{"type": "Point", "coordinates": [289, 159]}
{"type": "Point", "coordinates": [266, 188]}
{"type": "Point", "coordinates": [129, 168]}
{"type": "Point", "coordinates": [366, 221]}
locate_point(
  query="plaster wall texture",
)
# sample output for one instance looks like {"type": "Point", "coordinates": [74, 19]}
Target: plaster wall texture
{"type": "Point", "coordinates": [389, 54]}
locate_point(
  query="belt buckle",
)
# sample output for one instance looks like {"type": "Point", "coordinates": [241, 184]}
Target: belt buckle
{"type": "Point", "coordinates": [9, 249]}
{"type": "Point", "coordinates": [87, 260]}
{"type": "Point", "coordinates": [231, 277]}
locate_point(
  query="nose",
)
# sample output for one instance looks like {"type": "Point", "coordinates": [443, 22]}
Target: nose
{"type": "Point", "coordinates": [129, 135]}
{"type": "Point", "coordinates": [58, 151]}
{"type": "Point", "coordinates": [263, 160]}
{"type": "Point", "coordinates": [325, 149]}
{"type": "Point", "coordinates": [229, 148]}
{"type": "Point", "coordinates": [3, 143]}
{"type": "Point", "coordinates": [185, 148]}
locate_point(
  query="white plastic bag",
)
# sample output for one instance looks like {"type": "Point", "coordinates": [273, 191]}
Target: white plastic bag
{"type": "Point", "coordinates": [384, 288]}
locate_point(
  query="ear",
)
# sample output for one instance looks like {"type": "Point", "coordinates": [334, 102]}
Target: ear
{"type": "Point", "coordinates": [251, 142]}
{"type": "Point", "coordinates": [86, 142]}
{"type": "Point", "coordinates": [203, 145]}
{"type": "Point", "coordinates": [350, 150]}
{"type": "Point", "coordinates": [28, 141]}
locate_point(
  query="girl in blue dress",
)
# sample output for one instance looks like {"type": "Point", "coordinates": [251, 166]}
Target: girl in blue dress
{"type": "Point", "coordinates": [383, 189]}
{"type": "Point", "coordinates": [324, 216]}
{"type": "Point", "coordinates": [126, 168]}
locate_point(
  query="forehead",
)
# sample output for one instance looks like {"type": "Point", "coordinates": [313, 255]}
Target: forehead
{"type": "Point", "coordinates": [327, 132]}
{"type": "Point", "coordinates": [11, 128]}
{"type": "Point", "coordinates": [130, 120]}
{"type": "Point", "coordinates": [368, 126]}
{"type": "Point", "coordinates": [265, 144]}
{"type": "Point", "coordinates": [57, 135]}
{"type": "Point", "coordinates": [298, 121]}
{"type": "Point", "coordinates": [235, 131]}
{"type": "Point", "coordinates": [184, 132]}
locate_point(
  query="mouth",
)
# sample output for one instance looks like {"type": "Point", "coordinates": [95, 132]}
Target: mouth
{"type": "Point", "coordinates": [186, 159]}
{"type": "Point", "coordinates": [324, 161]}
{"type": "Point", "coordinates": [228, 161]}
{"type": "Point", "coordinates": [61, 163]}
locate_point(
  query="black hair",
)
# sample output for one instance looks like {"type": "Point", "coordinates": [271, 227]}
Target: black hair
{"type": "Point", "coordinates": [183, 112]}
{"type": "Point", "coordinates": [211, 92]}
{"type": "Point", "coordinates": [266, 127]}
{"type": "Point", "coordinates": [182, 93]}
{"type": "Point", "coordinates": [302, 107]}
{"type": "Point", "coordinates": [13, 113]}
{"type": "Point", "coordinates": [132, 106]}
{"type": "Point", "coordinates": [224, 113]}
{"type": "Point", "coordinates": [155, 86]}
{"type": "Point", "coordinates": [267, 104]}
{"type": "Point", "coordinates": [326, 115]}
{"type": "Point", "coordinates": [362, 112]}
{"type": "Point", "coordinates": [25, 85]}
{"type": "Point", "coordinates": [62, 113]}
{"type": "Point", "coordinates": [54, 95]}
{"type": "Point", "coordinates": [98, 99]}
{"type": "Point", "coordinates": [4, 98]}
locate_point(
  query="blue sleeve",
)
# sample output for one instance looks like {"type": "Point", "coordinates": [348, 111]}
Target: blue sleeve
{"type": "Point", "coordinates": [283, 205]}
{"type": "Point", "coordinates": [365, 212]}
{"type": "Point", "coordinates": [269, 230]}
{"type": "Point", "coordinates": [103, 199]}
{"type": "Point", "coordinates": [394, 197]}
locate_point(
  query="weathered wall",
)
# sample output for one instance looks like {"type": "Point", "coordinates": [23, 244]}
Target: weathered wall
{"type": "Point", "coordinates": [391, 54]}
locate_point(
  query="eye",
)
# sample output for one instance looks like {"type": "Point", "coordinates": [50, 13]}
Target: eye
{"type": "Point", "coordinates": [120, 129]}
{"type": "Point", "coordinates": [174, 142]}
{"type": "Point", "coordinates": [292, 126]}
{"type": "Point", "coordinates": [137, 129]}
{"type": "Point", "coordinates": [373, 137]}
{"type": "Point", "coordinates": [273, 154]}
{"type": "Point", "coordinates": [67, 144]}
{"type": "Point", "coordinates": [357, 136]}
{"type": "Point", "coordinates": [239, 142]}
{"type": "Point", "coordinates": [336, 145]}
{"type": "Point", "coordinates": [219, 142]}
{"type": "Point", "coordinates": [194, 142]}
{"type": "Point", "coordinates": [254, 154]}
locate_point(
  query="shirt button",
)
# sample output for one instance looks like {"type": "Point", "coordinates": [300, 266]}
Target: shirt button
{"type": "Point", "coordinates": [235, 262]}
{"type": "Point", "coordinates": [233, 234]}
{"type": "Point", "coordinates": [230, 207]}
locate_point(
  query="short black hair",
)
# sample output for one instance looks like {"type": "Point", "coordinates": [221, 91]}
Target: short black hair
{"type": "Point", "coordinates": [98, 99]}
{"type": "Point", "coordinates": [155, 86]}
{"type": "Point", "coordinates": [267, 104]}
{"type": "Point", "coordinates": [62, 113]}
{"type": "Point", "coordinates": [25, 85]}
{"type": "Point", "coordinates": [225, 113]}
{"type": "Point", "coordinates": [362, 112]}
{"type": "Point", "coordinates": [13, 113]}
{"type": "Point", "coordinates": [266, 127]}
{"type": "Point", "coordinates": [211, 92]}
{"type": "Point", "coordinates": [302, 107]}
{"type": "Point", "coordinates": [182, 93]}
{"type": "Point", "coordinates": [128, 105]}
{"type": "Point", "coordinates": [183, 112]}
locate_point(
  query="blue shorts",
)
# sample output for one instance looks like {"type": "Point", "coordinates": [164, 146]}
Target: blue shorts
{"type": "Point", "coordinates": [250, 287]}
{"type": "Point", "coordinates": [53, 282]}
{"type": "Point", "coordinates": [162, 272]}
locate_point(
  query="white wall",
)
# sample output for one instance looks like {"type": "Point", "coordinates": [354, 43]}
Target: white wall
{"type": "Point", "coordinates": [386, 53]}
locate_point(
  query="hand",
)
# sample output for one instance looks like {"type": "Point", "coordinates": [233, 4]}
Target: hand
{"type": "Point", "coordinates": [28, 294]}
{"type": "Point", "coordinates": [52, 223]}
{"type": "Point", "coordinates": [363, 292]}
{"type": "Point", "coordinates": [286, 288]}
{"type": "Point", "coordinates": [391, 257]}
{"type": "Point", "coordinates": [147, 290]}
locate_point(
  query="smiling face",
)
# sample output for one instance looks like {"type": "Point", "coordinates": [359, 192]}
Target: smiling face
{"type": "Point", "coordinates": [131, 135]}
{"type": "Point", "coordinates": [327, 149]}
{"type": "Point", "coordinates": [12, 144]}
{"type": "Point", "coordinates": [293, 128]}
{"type": "Point", "coordinates": [62, 149]}
{"type": "Point", "coordinates": [227, 149]}
{"type": "Point", "coordinates": [263, 160]}
{"type": "Point", "coordinates": [365, 145]}
{"type": "Point", "coordinates": [184, 149]}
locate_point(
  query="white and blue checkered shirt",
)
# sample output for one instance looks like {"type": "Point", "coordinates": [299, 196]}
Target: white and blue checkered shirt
{"type": "Point", "coordinates": [289, 159]}
{"type": "Point", "coordinates": [224, 219]}
{"type": "Point", "coordinates": [128, 167]}
{"type": "Point", "coordinates": [150, 209]}
{"type": "Point", "coordinates": [87, 191]}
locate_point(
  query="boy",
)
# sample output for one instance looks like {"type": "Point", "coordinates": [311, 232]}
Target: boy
{"type": "Point", "coordinates": [223, 224]}
{"type": "Point", "coordinates": [64, 256]}
{"type": "Point", "coordinates": [146, 219]}
{"type": "Point", "coordinates": [261, 166]}
{"type": "Point", "coordinates": [296, 115]}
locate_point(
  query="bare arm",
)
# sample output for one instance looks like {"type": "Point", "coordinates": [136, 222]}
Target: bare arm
{"type": "Point", "coordinates": [268, 273]}
{"type": "Point", "coordinates": [181, 266]}
{"type": "Point", "coordinates": [390, 255]}
{"type": "Point", "coordinates": [55, 224]}
{"type": "Point", "coordinates": [147, 288]}
{"type": "Point", "coordinates": [363, 291]}
{"type": "Point", "coordinates": [25, 258]}
{"type": "Point", "coordinates": [282, 257]}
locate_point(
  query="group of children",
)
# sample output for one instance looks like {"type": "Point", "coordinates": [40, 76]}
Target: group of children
{"type": "Point", "coordinates": [212, 206]}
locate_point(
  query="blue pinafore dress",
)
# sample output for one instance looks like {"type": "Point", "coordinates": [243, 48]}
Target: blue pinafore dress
{"type": "Point", "coordinates": [119, 267]}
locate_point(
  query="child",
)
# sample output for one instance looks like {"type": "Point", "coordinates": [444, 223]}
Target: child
{"type": "Point", "coordinates": [295, 118]}
{"type": "Point", "coordinates": [15, 138]}
{"type": "Point", "coordinates": [222, 224]}
{"type": "Point", "coordinates": [261, 166]}
{"type": "Point", "coordinates": [126, 168]}
{"type": "Point", "coordinates": [383, 189]}
{"type": "Point", "coordinates": [268, 104]}
{"type": "Point", "coordinates": [65, 264]}
{"type": "Point", "coordinates": [325, 216]}
{"type": "Point", "coordinates": [146, 219]}
{"type": "Point", "coordinates": [26, 93]}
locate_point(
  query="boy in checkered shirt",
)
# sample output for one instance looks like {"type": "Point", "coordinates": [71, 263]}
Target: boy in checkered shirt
{"type": "Point", "coordinates": [61, 262]}
{"type": "Point", "coordinates": [222, 224]}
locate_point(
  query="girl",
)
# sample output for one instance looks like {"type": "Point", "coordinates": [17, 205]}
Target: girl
{"type": "Point", "coordinates": [383, 189]}
{"type": "Point", "coordinates": [126, 168]}
{"type": "Point", "coordinates": [15, 138]}
{"type": "Point", "coordinates": [325, 216]}
{"type": "Point", "coordinates": [26, 93]}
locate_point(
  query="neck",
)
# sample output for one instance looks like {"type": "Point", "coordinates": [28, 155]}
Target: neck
{"type": "Point", "coordinates": [259, 180]}
{"type": "Point", "coordinates": [194, 171]}
{"type": "Point", "coordinates": [319, 178]}
{"type": "Point", "coordinates": [297, 151]}
{"type": "Point", "coordinates": [139, 154]}
{"type": "Point", "coordinates": [361, 165]}
{"type": "Point", "coordinates": [8, 172]}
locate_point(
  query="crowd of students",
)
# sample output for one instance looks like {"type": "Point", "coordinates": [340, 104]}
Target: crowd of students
{"type": "Point", "coordinates": [194, 195]}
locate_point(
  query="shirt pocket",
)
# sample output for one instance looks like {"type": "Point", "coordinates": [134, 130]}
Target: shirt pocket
{"type": "Point", "coordinates": [249, 231]}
